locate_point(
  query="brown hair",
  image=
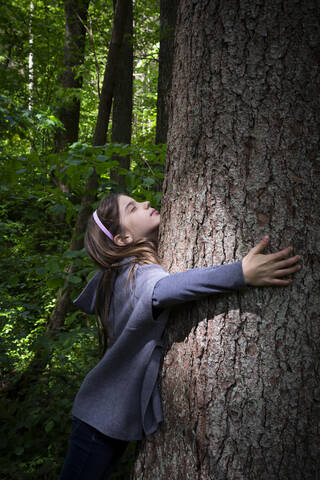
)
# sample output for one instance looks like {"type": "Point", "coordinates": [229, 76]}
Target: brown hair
{"type": "Point", "coordinates": [107, 255]}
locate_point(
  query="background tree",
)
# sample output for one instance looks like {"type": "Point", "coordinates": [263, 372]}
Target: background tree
{"type": "Point", "coordinates": [76, 12]}
{"type": "Point", "coordinates": [123, 98]}
{"type": "Point", "coordinates": [168, 14]}
{"type": "Point", "coordinates": [240, 379]}
{"type": "Point", "coordinates": [90, 190]}
{"type": "Point", "coordinates": [111, 72]}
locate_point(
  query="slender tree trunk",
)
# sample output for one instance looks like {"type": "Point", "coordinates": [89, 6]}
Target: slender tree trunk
{"type": "Point", "coordinates": [76, 12]}
{"type": "Point", "coordinates": [168, 14]}
{"type": "Point", "coordinates": [63, 300]}
{"type": "Point", "coordinates": [30, 59]}
{"type": "Point", "coordinates": [111, 71]}
{"type": "Point", "coordinates": [122, 99]}
{"type": "Point", "coordinates": [240, 378]}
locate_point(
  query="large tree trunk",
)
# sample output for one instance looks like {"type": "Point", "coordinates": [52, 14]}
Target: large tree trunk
{"type": "Point", "coordinates": [122, 99]}
{"type": "Point", "coordinates": [240, 379]}
{"type": "Point", "coordinates": [76, 12]}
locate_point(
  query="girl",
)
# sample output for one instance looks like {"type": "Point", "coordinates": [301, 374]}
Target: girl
{"type": "Point", "coordinates": [119, 400]}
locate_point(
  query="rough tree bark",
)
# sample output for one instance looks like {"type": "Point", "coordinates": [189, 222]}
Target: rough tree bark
{"type": "Point", "coordinates": [123, 99]}
{"type": "Point", "coordinates": [240, 378]}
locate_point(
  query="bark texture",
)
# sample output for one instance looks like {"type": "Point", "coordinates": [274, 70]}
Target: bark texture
{"type": "Point", "coordinates": [240, 378]}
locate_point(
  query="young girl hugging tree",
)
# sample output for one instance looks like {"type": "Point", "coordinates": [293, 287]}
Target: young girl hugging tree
{"type": "Point", "coordinates": [119, 400]}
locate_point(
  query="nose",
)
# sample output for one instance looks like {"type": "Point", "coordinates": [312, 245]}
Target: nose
{"type": "Point", "coordinates": [147, 204]}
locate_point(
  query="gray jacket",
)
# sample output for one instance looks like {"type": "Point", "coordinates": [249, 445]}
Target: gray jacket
{"type": "Point", "coordinates": [119, 396]}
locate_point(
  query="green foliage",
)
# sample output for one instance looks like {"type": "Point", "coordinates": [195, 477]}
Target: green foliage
{"type": "Point", "coordinates": [146, 40]}
{"type": "Point", "coordinates": [40, 32]}
{"type": "Point", "coordinates": [36, 221]}
{"type": "Point", "coordinates": [41, 428]}
{"type": "Point", "coordinates": [37, 217]}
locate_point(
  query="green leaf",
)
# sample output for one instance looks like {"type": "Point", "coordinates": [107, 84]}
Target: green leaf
{"type": "Point", "coordinates": [19, 450]}
{"type": "Point", "coordinates": [49, 426]}
{"type": "Point", "coordinates": [74, 279]}
{"type": "Point", "coordinates": [54, 282]}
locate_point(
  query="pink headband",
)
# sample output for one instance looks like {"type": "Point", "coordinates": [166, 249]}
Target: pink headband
{"type": "Point", "coordinates": [101, 226]}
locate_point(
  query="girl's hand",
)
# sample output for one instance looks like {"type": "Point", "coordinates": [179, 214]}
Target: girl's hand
{"type": "Point", "coordinates": [263, 270]}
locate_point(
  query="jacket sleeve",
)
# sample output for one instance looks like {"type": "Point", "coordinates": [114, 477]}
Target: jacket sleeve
{"type": "Point", "coordinates": [196, 283]}
{"type": "Point", "coordinates": [87, 298]}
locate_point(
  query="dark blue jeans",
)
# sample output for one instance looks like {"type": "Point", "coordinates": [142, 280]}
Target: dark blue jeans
{"type": "Point", "coordinates": [91, 455]}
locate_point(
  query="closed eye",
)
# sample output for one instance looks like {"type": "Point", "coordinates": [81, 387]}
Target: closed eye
{"type": "Point", "coordinates": [132, 209]}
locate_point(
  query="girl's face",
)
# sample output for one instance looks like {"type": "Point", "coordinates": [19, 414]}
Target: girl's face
{"type": "Point", "coordinates": [137, 219]}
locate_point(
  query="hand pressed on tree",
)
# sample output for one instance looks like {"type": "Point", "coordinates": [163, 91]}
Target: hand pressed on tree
{"type": "Point", "coordinates": [267, 270]}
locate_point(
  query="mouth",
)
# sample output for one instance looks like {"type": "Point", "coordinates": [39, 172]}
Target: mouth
{"type": "Point", "coordinates": [154, 212]}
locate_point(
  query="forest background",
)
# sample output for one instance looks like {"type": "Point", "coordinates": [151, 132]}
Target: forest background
{"type": "Point", "coordinates": [54, 170]}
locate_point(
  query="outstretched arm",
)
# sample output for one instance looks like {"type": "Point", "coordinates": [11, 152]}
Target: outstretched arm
{"type": "Point", "coordinates": [193, 284]}
{"type": "Point", "coordinates": [256, 269]}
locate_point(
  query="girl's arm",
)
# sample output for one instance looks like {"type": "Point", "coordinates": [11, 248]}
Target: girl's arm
{"type": "Point", "coordinates": [196, 283]}
{"type": "Point", "coordinates": [255, 269]}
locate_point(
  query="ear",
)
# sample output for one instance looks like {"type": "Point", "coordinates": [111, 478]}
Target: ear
{"type": "Point", "coordinates": [123, 240]}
